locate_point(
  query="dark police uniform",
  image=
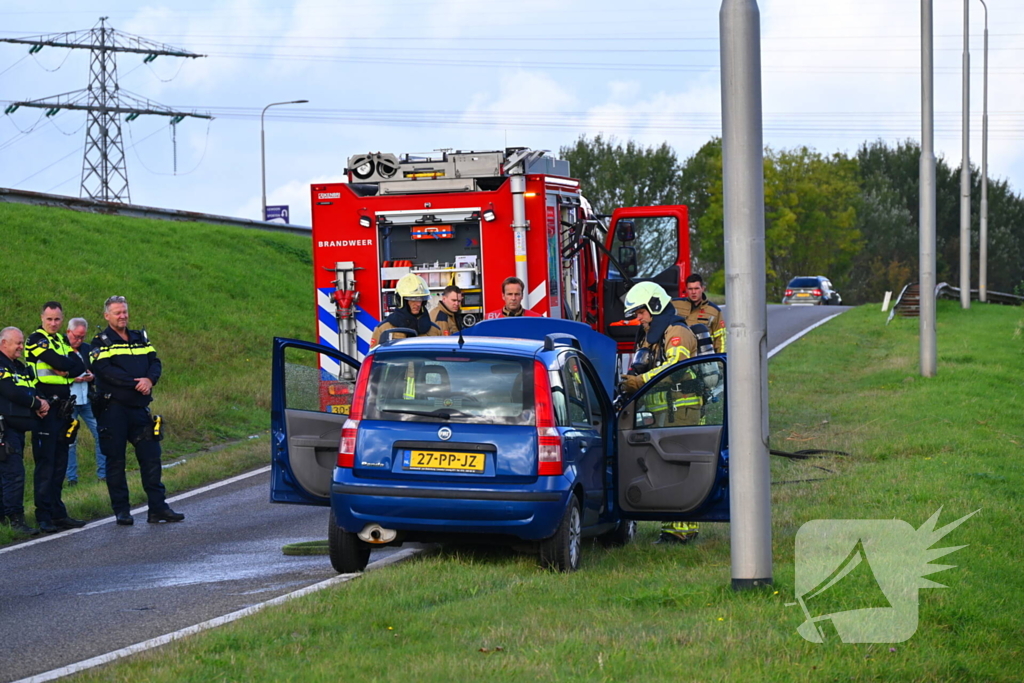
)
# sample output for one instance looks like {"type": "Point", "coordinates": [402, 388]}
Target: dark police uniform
{"type": "Point", "coordinates": [18, 403]}
{"type": "Point", "coordinates": [123, 416]}
{"type": "Point", "coordinates": [48, 354]}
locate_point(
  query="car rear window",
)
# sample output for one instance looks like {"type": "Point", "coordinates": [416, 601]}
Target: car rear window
{"type": "Point", "coordinates": [471, 388]}
{"type": "Point", "coordinates": [804, 282]}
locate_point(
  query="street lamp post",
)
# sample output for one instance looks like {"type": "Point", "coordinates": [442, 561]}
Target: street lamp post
{"type": "Point", "coordinates": [983, 232]}
{"type": "Point", "coordinates": [263, 152]}
{"type": "Point", "coordinates": [965, 173]}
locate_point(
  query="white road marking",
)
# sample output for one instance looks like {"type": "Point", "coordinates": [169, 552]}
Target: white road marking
{"type": "Point", "coordinates": [212, 623]}
{"type": "Point", "coordinates": [800, 334]}
{"type": "Point", "coordinates": [136, 511]}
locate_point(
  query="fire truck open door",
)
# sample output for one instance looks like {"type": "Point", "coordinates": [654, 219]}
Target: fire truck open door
{"type": "Point", "coordinates": [651, 244]}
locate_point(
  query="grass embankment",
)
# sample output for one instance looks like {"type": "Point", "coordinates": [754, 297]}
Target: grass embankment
{"type": "Point", "coordinates": [210, 297]}
{"type": "Point", "coordinates": [666, 613]}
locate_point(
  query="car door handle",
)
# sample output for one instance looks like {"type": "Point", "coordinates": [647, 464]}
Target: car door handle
{"type": "Point", "coordinates": [584, 445]}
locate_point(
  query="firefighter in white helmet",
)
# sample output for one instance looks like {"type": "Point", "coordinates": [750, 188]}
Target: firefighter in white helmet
{"type": "Point", "coordinates": [413, 293]}
{"type": "Point", "coordinates": [662, 341]}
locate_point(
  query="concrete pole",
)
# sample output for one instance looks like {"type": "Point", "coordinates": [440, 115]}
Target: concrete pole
{"type": "Point", "coordinates": [747, 376]}
{"type": "Point", "coordinates": [965, 173]}
{"type": "Point", "coordinates": [926, 234]}
{"type": "Point", "coordinates": [983, 235]}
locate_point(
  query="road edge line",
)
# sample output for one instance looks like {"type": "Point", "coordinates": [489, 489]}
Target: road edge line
{"type": "Point", "coordinates": [136, 511]}
{"type": "Point", "coordinates": [114, 655]}
{"type": "Point", "coordinates": [802, 333]}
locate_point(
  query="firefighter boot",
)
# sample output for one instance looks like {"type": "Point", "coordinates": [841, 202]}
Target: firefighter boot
{"type": "Point", "coordinates": [678, 532]}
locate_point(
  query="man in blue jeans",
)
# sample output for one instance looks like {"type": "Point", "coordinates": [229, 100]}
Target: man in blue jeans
{"type": "Point", "coordinates": [82, 390]}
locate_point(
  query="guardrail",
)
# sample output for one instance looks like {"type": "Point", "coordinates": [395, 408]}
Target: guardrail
{"type": "Point", "coordinates": [910, 307]}
{"type": "Point", "coordinates": [136, 211]}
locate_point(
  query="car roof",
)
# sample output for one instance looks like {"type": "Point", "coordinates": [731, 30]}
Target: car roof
{"type": "Point", "coordinates": [527, 348]}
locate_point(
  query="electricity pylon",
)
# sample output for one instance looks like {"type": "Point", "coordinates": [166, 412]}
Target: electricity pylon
{"type": "Point", "coordinates": [104, 173]}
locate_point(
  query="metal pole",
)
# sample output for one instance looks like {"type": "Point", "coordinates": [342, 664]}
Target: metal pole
{"type": "Point", "coordinates": [926, 199]}
{"type": "Point", "coordinates": [747, 378]}
{"type": "Point", "coordinates": [965, 173]}
{"type": "Point", "coordinates": [983, 234]}
{"type": "Point", "coordinates": [263, 152]}
{"type": "Point", "coordinates": [519, 226]}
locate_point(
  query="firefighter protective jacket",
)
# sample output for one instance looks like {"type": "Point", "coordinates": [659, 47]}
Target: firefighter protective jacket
{"type": "Point", "coordinates": [49, 354]}
{"type": "Point", "coordinates": [703, 313]}
{"type": "Point", "coordinates": [669, 341]}
{"type": "Point", "coordinates": [118, 364]}
{"type": "Point", "coordinates": [18, 400]}
{"type": "Point", "coordinates": [446, 321]}
{"type": "Point", "coordinates": [403, 317]}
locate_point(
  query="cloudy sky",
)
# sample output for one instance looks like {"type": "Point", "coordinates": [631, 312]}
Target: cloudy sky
{"type": "Point", "coordinates": [420, 75]}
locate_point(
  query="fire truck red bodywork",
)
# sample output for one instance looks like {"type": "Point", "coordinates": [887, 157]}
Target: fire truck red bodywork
{"type": "Point", "coordinates": [363, 237]}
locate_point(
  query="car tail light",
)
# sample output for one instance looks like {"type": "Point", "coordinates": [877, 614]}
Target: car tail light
{"type": "Point", "coordinates": [816, 292]}
{"type": "Point", "coordinates": [549, 442]}
{"type": "Point", "coordinates": [789, 292]}
{"type": "Point", "coordinates": [350, 430]}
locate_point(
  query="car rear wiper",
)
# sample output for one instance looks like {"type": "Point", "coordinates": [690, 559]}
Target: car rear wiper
{"type": "Point", "coordinates": [445, 413]}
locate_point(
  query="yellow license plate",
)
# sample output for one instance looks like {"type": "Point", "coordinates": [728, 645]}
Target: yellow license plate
{"type": "Point", "coordinates": [446, 461]}
{"type": "Point", "coordinates": [802, 294]}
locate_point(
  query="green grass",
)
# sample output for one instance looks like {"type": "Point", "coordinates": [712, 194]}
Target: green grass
{"type": "Point", "coordinates": [211, 298]}
{"type": "Point", "coordinates": [666, 613]}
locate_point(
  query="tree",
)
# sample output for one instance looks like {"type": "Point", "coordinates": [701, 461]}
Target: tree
{"type": "Point", "coordinates": [612, 175]}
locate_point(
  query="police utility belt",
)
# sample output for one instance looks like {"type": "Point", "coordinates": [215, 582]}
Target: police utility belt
{"type": "Point", "coordinates": [152, 432]}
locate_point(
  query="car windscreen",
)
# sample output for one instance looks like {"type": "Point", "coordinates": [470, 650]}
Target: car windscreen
{"type": "Point", "coordinates": [447, 387]}
{"type": "Point", "coordinates": [811, 282]}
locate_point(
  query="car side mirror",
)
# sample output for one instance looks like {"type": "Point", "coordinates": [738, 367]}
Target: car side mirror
{"type": "Point", "coordinates": [625, 231]}
{"type": "Point", "coordinates": [627, 259]}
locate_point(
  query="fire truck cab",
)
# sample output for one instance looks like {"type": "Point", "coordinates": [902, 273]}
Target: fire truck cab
{"type": "Point", "coordinates": [473, 219]}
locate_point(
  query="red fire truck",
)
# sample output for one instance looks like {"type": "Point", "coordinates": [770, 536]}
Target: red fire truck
{"type": "Point", "coordinates": [472, 219]}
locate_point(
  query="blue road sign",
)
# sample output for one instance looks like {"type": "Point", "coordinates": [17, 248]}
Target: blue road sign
{"type": "Point", "coordinates": [277, 214]}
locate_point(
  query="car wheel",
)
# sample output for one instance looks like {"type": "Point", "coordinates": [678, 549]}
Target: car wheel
{"type": "Point", "coordinates": [562, 551]}
{"type": "Point", "coordinates": [621, 535]}
{"type": "Point", "coordinates": [348, 553]}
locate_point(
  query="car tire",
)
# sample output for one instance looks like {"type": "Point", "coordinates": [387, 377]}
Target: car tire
{"type": "Point", "coordinates": [348, 553]}
{"type": "Point", "coordinates": [562, 551]}
{"type": "Point", "coordinates": [621, 535]}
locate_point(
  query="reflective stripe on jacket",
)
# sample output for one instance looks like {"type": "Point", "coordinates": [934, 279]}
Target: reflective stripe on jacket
{"type": "Point", "coordinates": [36, 350]}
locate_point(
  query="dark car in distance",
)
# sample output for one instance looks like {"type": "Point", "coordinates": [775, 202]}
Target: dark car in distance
{"type": "Point", "coordinates": [811, 290]}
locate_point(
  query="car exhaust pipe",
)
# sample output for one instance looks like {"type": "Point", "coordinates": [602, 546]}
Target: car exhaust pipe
{"type": "Point", "coordinates": [376, 534]}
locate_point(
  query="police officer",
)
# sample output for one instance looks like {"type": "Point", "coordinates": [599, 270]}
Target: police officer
{"type": "Point", "coordinates": [126, 368]}
{"type": "Point", "coordinates": [19, 408]}
{"type": "Point", "coordinates": [697, 310]}
{"type": "Point", "coordinates": [446, 314]}
{"type": "Point", "coordinates": [413, 292]}
{"type": "Point", "coordinates": [663, 340]}
{"type": "Point", "coordinates": [56, 367]}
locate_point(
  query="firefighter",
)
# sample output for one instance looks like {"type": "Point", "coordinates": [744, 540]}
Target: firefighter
{"type": "Point", "coordinates": [55, 366]}
{"type": "Point", "coordinates": [446, 314]}
{"type": "Point", "coordinates": [413, 292]}
{"type": "Point", "coordinates": [512, 289]}
{"type": "Point", "coordinates": [697, 310]}
{"type": "Point", "coordinates": [664, 340]}
{"type": "Point", "coordinates": [127, 368]}
{"type": "Point", "coordinates": [19, 408]}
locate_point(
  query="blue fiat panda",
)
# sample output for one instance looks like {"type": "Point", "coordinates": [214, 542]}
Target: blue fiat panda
{"type": "Point", "coordinates": [506, 435]}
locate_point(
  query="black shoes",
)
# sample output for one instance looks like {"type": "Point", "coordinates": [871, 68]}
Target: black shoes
{"type": "Point", "coordinates": [48, 527]}
{"type": "Point", "coordinates": [17, 523]}
{"type": "Point", "coordinates": [124, 519]}
{"type": "Point", "coordinates": [165, 515]}
{"type": "Point", "coordinates": [72, 482]}
{"type": "Point", "coordinates": [68, 523]}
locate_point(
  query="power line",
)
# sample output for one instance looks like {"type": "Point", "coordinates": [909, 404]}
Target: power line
{"type": "Point", "coordinates": [104, 172]}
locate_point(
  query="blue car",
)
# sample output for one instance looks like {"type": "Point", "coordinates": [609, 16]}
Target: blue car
{"type": "Point", "coordinates": [506, 435]}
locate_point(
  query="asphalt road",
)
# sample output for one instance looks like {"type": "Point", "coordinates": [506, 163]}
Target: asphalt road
{"type": "Point", "coordinates": [81, 594]}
